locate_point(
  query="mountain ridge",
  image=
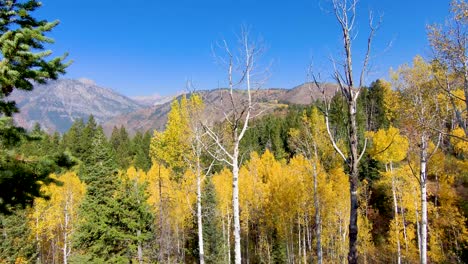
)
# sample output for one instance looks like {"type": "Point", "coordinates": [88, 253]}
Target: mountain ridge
{"type": "Point", "coordinates": [57, 104]}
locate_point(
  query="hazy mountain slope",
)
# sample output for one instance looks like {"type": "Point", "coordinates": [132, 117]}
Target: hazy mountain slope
{"type": "Point", "coordinates": [57, 104]}
{"type": "Point", "coordinates": [217, 101]}
{"type": "Point", "coordinates": [155, 99]}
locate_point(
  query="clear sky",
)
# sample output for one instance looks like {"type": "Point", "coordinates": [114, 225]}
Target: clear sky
{"type": "Point", "coordinates": [143, 47]}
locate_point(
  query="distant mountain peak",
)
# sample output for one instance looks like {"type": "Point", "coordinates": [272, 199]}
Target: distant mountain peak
{"type": "Point", "coordinates": [87, 81]}
{"type": "Point", "coordinates": [57, 104]}
{"type": "Point", "coordinates": [155, 99]}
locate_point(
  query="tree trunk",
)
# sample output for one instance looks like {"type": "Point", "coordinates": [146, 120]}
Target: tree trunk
{"type": "Point", "coordinates": [354, 179]}
{"type": "Point", "coordinates": [199, 215]}
{"type": "Point", "coordinates": [403, 219]}
{"type": "Point", "coordinates": [304, 248]}
{"type": "Point", "coordinates": [418, 225]}
{"type": "Point", "coordinates": [160, 240]}
{"type": "Point", "coordinates": [299, 238]}
{"type": "Point", "coordinates": [423, 178]}
{"type": "Point", "coordinates": [65, 235]}
{"type": "Point", "coordinates": [229, 238]}
{"type": "Point", "coordinates": [395, 207]}
{"type": "Point", "coordinates": [235, 204]}
{"type": "Point", "coordinates": [318, 219]}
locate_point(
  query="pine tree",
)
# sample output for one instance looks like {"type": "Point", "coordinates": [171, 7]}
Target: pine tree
{"type": "Point", "coordinates": [73, 139]}
{"type": "Point", "coordinates": [131, 221]}
{"type": "Point", "coordinates": [211, 224]}
{"type": "Point", "coordinates": [121, 144]}
{"type": "Point", "coordinates": [16, 244]}
{"type": "Point", "coordinates": [115, 218]}
{"type": "Point", "coordinates": [100, 175]}
{"type": "Point", "coordinates": [23, 62]}
{"type": "Point", "coordinates": [141, 145]}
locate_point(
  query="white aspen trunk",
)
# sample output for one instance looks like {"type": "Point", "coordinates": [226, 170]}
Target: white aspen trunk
{"type": "Point", "coordinates": [291, 233]}
{"type": "Point", "coordinates": [268, 251]}
{"type": "Point", "coordinates": [318, 219]}
{"type": "Point", "coordinates": [418, 226]}
{"type": "Point", "coordinates": [65, 235]}
{"type": "Point", "coordinates": [229, 238]}
{"type": "Point", "coordinates": [224, 240]}
{"type": "Point", "coordinates": [161, 228]}
{"type": "Point", "coordinates": [199, 215]}
{"type": "Point", "coordinates": [247, 253]}
{"type": "Point", "coordinates": [304, 248]}
{"type": "Point", "coordinates": [299, 237]}
{"type": "Point", "coordinates": [309, 238]}
{"type": "Point", "coordinates": [178, 243]}
{"type": "Point", "coordinates": [395, 207]}
{"type": "Point", "coordinates": [402, 209]}
{"type": "Point", "coordinates": [354, 181]}
{"type": "Point", "coordinates": [423, 178]}
{"type": "Point", "coordinates": [235, 204]}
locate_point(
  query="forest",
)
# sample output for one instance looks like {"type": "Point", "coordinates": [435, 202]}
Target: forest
{"type": "Point", "coordinates": [370, 173]}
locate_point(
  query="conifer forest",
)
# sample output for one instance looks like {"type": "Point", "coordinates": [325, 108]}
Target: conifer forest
{"type": "Point", "coordinates": [369, 172]}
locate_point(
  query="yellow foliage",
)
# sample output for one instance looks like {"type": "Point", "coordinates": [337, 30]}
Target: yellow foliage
{"type": "Point", "coordinates": [391, 101]}
{"type": "Point", "coordinates": [223, 186]}
{"type": "Point", "coordinates": [174, 197]}
{"type": "Point", "coordinates": [388, 145]}
{"type": "Point", "coordinates": [460, 146]}
{"type": "Point", "coordinates": [51, 220]}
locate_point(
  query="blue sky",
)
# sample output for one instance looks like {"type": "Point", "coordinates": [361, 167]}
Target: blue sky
{"type": "Point", "coordinates": [153, 46]}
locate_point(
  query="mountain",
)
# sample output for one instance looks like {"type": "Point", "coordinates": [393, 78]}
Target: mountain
{"type": "Point", "coordinates": [155, 99]}
{"type": "Point", "coordinates": [217, 101]}
{"type": "Point", "coordinates": [57, 104]}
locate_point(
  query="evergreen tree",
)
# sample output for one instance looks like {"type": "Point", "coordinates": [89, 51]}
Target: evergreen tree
{"type": "Point", "coordinates": [73, 139]}
{"type": "Point", "coordinates": [115, 216]}
{"type": "Point", "coordinates": [89, 131]}
{"type": "Point", "coordinates": [211, 224]}
{"type": "Point", "coordinates": [23, 62]}
{"type": "Point", "coordinates": [140, 145]}
{"type": "Point", "coordinates": [23, 173]}
{"type": "Point", "coordinates": [131, 221]}
{"type": "Point", "coordinates": [16, 244]}
{"type": "Point", "coordinates": [121, 144]}
{"type": "Point", "coordinates": [375, 105]}
{"type": "Point", "coordinates": [100, 175]}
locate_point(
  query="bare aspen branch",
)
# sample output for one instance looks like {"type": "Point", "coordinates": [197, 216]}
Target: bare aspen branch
{"type": "Point", "coordinates": [363, 150]}
{"type": "Point", "coordinates": [216, 140]}
{"type": "Point", "coordinates": [332, 139]}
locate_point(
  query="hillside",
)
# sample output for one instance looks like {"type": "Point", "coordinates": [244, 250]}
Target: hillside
{"type": "Point", "coordinates": [267, 100]}
{"type": "Point", "coordinates": [57, 104]}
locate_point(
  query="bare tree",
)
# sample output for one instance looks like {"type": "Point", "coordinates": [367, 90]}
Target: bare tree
{"type": "Point", "coordinates": [196, 108]}
{"type": "Point", "coordinates": [345, 13]}
{"type": "Point", "coordinates": [237, 114]}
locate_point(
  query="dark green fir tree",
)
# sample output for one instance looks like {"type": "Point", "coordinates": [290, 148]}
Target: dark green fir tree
{"type": "Point", "coordinates": [114, 213]}
{"type": "Point", "coordinates": [24, 62]}
{"type": "Point", "coordinates": [15, 243]}
{"type": "Point", "coordinates": [212, 234]}
{"type": "Point", "coordinates": [140, 145]}
{"type": "Point", "coordinates": [121, 144]}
